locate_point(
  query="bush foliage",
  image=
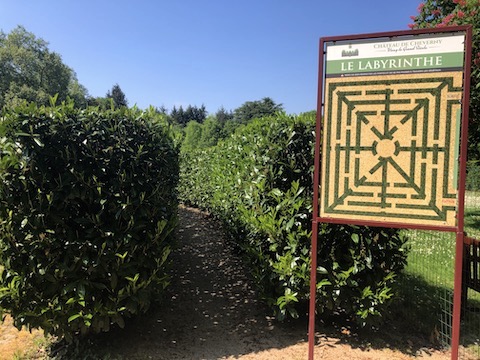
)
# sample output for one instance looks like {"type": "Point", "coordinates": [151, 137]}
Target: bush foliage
{"type": "Point", "coordinates": [87, 208]}
{"type": "Point", "coordinates": [259, 182]}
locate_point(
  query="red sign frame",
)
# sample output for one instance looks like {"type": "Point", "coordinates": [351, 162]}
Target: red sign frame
{"type": "Point", "coordinates": [458, 229]}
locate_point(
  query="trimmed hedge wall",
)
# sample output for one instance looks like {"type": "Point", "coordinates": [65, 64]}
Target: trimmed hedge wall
{"type": "Point", "coordinates": [87, 208]}
{"type": "Point", "coordinates": [259, 182]}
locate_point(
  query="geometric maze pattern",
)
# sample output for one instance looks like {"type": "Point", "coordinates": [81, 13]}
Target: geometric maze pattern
{"type": "Point", "coordinates": [390, 148]}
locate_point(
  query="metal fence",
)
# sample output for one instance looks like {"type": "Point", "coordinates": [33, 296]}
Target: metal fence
{"type": "Point", "coordinates": [429, 280]}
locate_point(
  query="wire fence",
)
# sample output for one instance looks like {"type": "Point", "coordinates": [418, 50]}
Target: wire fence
{"type": "Point", "coordinates": [428, 283]}
{"type": "Point", "coordinates": [470, 325]}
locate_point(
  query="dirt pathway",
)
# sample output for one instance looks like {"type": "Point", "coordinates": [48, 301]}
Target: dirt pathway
{"type": "Point", "coordinates": [212, 312]}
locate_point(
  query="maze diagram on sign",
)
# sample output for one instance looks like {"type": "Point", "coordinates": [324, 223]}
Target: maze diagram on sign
{"type": "Point", "coordinates": [390, 148]}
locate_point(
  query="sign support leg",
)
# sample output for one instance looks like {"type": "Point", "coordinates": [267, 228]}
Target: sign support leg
{"type": "Point", "coordinates": [457, 294]}
{"type": "Point", "coordinates": [313, 292]}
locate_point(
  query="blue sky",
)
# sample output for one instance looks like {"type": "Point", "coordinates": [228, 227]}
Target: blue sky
{"type": "Point", "coordinates": [193, 52]}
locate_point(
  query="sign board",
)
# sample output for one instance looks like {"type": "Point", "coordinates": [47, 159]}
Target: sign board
{"type": "Point", "coordinates": [392, 133]}
{"type": "Point", "coordinates": [391, 129]}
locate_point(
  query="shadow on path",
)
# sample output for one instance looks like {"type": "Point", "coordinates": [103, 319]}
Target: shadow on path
{"type": "Point", "coordinates": [212, 311]}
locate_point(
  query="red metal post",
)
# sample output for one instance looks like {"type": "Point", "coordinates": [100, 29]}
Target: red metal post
{"type": "Point", "coordinates": [316, 181]}
{"type": "Point", "coordinates": [313, 292]}
{"type": "Point", "coordinates": [460, 238]}
{"type": "Point", "coordinates": [457, 295]}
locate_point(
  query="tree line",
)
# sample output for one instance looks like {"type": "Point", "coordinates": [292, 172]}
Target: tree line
{"type": "Point", "coordinates": [30, 72]}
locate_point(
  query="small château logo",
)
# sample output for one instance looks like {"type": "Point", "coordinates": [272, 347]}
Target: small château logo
{"type": "Point", "coordinates": [349, 52]}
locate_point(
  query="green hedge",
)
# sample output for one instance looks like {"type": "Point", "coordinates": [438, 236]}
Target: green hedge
{"type": "Point", "coordinates": [259, 182]}
{"type": "Point", "coordinates": [87, 208]}
{"type": "Point", "coordinates": [473, 176]}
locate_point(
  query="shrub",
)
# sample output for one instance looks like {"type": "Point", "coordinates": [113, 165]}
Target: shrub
{"type": "Point", "coordinates": [87, 208]}
{"type": "Point", "coordinates": [357, 270]}
{"type": "Point", "coordinates": [473, 176]}
{"type": "Point", "coordinates": [259, 182]}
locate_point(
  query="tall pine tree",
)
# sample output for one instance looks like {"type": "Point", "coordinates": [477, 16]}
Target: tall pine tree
{"type": "Point", "coordinates": [118, 96]}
